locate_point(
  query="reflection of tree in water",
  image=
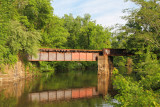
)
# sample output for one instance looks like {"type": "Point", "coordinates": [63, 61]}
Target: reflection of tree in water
{"type": "Point", "coordinates": [103, 84]}
{"type": "Point", "coordinates": [72, 79]}
{"type": "Point", "coordinates": [9, 101]}
{"type": "Point", "coordinates": [11, 92]}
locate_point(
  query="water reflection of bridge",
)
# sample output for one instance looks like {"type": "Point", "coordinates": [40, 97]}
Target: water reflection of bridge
{"type": "Point", "coordinates": [74, 93]}
{"type": "Point", "coordinates": [63, 94]}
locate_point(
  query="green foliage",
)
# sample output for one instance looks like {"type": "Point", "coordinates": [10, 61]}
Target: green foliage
{"type": "Point", "coordinates": [32, 67]}
{"type": "Point", "coordinates": [132, 93]}
{"type": "Point", "coordinates": [115, 71]}
{"type": "Point", "coordinates": [73, 26]}
{"type": "Point", "coordinates": [15, 35]}
{"type": "Point", "coordinates": [19, 39]}
{"type": "Point", "coordinates": [94, 36]}
{"type": "Point", "coordinates": [85, 34]}
{"type": "Point", "coordinates": [7, 102]}
{"type": "Point", "coordinates": [46, 66]}
{"type": "Point", "coordinates": [141, 36]}
{"type": "Point", "coordinates": [54, 35]}
{"type": "Point", "coordinates": [38, 12]}
{"type": "Point", "coordinates": [119, 61]}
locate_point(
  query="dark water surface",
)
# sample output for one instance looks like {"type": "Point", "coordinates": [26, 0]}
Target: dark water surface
{"type": "Point", "coordinates": [67, 89]}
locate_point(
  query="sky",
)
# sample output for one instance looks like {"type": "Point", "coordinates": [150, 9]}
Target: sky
{"type": "Point", "coordinates": [105, 12]}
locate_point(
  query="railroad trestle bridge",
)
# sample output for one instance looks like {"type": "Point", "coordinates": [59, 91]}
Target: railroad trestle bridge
{"type": "Point", "coordinates": [104, 57]}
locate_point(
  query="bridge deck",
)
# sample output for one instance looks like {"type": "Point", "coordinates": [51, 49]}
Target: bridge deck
{"type": "Point", "coordinates": [74, 54]}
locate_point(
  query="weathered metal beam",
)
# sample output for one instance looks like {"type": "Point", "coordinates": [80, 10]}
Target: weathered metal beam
{"type": "Point", "coordinates": [68, 56]}
{"type": "Point", "coordinates": [65, 55]}
{"type": "Point", "coordinates": [68, 50]}
{"type": "Point", "coordinates": [116, 52]}
{"type": "Point", "coordinates": [75, 54]}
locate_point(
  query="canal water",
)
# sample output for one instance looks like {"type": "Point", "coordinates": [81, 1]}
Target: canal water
{"type": "Point", "coordinates": [63, 89]}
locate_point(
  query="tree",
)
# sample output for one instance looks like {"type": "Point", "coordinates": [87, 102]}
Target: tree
{"type": "Point", "coordinates": [141, 35]}
{"type": "Point", "coordinates": [54, 35]}
{"type": "Point", "coordinates": [94, 37]}
{"type": "Point", "coordinates": [15, 36]}
{"type": "Point", "coordinates": [38, 12]}
{"type": "Point", "coordinates": [73, 26]}
{"type": "Point", "coordinates": [86, 34]}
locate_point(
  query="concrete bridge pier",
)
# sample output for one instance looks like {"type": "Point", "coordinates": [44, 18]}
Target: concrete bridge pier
{"type": "Point", "coordinates": [105, 68]}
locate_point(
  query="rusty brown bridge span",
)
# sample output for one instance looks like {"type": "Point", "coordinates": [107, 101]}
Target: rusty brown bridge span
{"type": "Point", "coordinates": [75, 54]}
{"type": "Point", "coordinates": [104, 58]}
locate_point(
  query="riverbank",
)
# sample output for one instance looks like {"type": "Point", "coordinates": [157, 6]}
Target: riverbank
{"type": "Point", "coordinates": [13, 73]}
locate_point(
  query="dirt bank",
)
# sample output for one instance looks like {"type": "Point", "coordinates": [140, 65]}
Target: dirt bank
{"type": "Point", "coordinates": [12, 73]}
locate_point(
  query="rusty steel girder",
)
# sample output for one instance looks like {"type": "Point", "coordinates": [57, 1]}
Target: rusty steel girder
{"type": "Point", "coordinates": [75, 54]}
{"type": "Point", "coordinates": [68, 50]}
{"type": "Point", "coordinates": [65, 55]}
{"type": "Point", "coordinates": [116, 52]}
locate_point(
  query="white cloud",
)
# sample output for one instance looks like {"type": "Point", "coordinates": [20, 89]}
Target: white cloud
{"type": "Point", "coordinates": [110, 20]}
{"type": "Point", "coordinates": [105, 12]}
